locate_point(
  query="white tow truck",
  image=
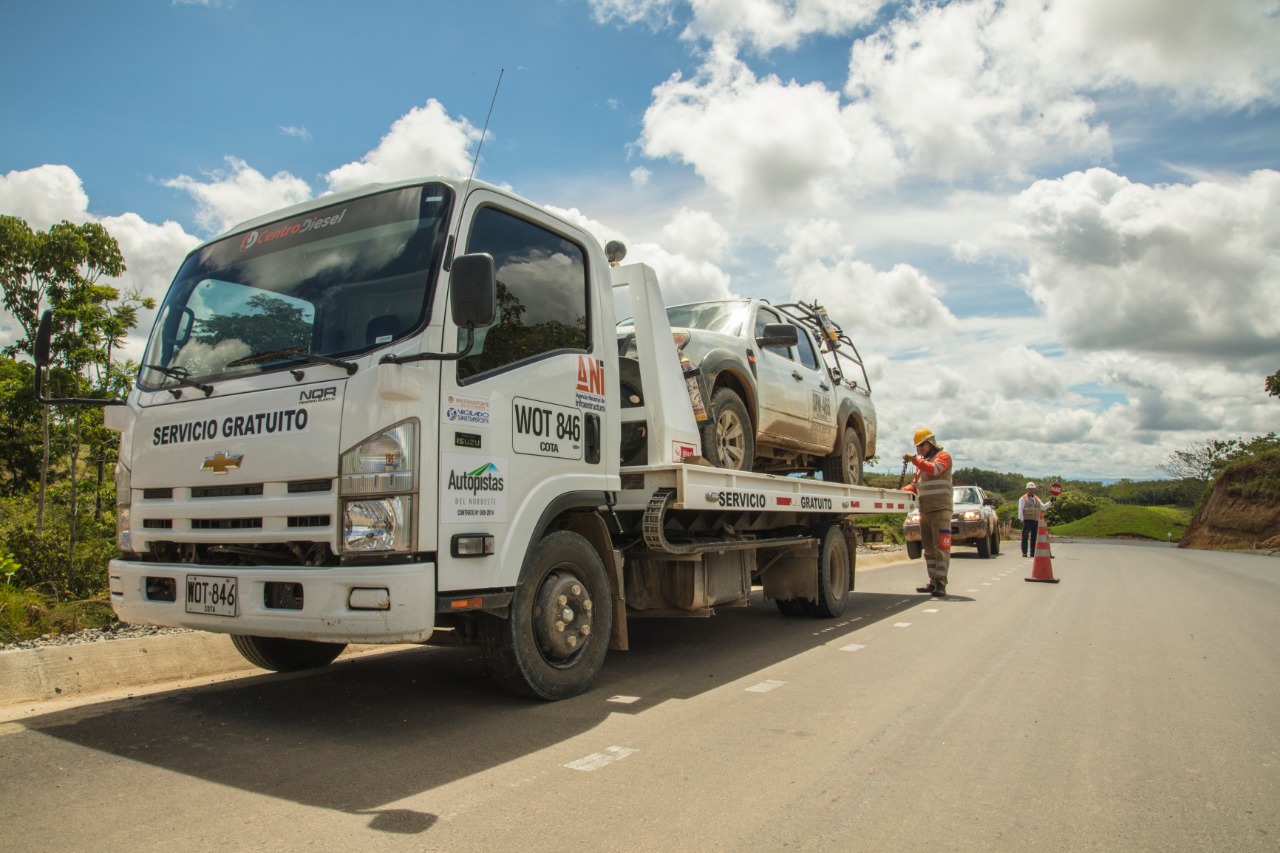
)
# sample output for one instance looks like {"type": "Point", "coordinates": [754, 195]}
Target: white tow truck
{"type": "Point", "coordinates": [391, 415]}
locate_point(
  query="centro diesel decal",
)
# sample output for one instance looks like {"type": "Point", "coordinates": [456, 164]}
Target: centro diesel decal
{"type": "Point", "coordinates": [233, 426]}
{"type": "Point", "coordinates": [742, 500]}
{"type": "Point", "coordinates": [311, 223]}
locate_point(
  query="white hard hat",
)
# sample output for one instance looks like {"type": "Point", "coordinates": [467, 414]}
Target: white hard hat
{"type": "Point", "coordinates": [1031, 485]}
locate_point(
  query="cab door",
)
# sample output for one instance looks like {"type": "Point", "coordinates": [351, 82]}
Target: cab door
{"type": "Point", "coordinates": [783, 406]}
{"type": "Point", "coordinates": [819, 389]}
{"type": "Point", "coordinates": [523, 414]}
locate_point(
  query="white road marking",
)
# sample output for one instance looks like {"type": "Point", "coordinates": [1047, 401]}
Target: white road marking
{"type": "Point", "coordinates": [765, 686]}
{"type": "Point", "coordinates": [971, 590]}
{"type": "Point", "coordinates": [852, 647]}
{"type": "Point", "coordinates": [596, 760]}
{"type": "Point", "coordinates": [932, 610]}
{"type": "Point", "coordinates": [901, 624]}
{"type": "Point", "coordinates": [624, 700]}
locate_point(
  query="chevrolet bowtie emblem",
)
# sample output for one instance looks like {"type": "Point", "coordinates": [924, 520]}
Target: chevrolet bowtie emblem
{"type": "Point", "coordinates": [220, 462]}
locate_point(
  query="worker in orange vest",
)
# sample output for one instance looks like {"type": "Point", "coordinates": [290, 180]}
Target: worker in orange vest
{"type": "Point", "coordinates": [932, 485]}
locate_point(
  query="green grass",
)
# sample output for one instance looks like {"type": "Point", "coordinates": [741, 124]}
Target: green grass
{"type": "Point", "coordinates": [1130, 522]}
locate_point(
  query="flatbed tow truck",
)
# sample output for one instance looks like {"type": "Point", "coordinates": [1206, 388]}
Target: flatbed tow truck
{"type": "Point", "coordinates": [347, 427]}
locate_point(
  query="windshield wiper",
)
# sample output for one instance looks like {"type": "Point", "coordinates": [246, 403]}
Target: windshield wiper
{"type": "Point", "coordinates": [180, 374]}
{"type": "Point", "coordinates": [290, 354]}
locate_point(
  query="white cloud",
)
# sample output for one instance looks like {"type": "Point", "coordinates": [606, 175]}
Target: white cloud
{"type": "Point", "coordinates": [696, 234]}
{"type": "Point", "coordinates": [239, 192]}
{"type": "Point", "coordinates": [425, 141]}
{"type": "Point", "coordinates": [44, 195]}
{"type": "Point", "coordinates": [296, 132]}
{"type": "Point", "coordinates": [1185, 271]}
{"type": "Point", "coordinates": [820, 265]}
{"type": "Point", "coordinates": [771, 24]}
{"type": "Point", "coordinates": [640, 177]}
{"type": "Point", "coordinates": [152, 253]}
{"type": "Point", "coordinates": [765, 143]}
{"type": "Point", "coordinates": [654, 13]}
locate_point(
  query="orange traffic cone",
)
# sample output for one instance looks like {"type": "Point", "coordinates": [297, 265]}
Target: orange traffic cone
{"type": "Point", "coordinates": [1042, 566]}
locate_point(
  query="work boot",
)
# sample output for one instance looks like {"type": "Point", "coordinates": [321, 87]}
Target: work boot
{"type": "Point", "coordinates": [939, 590]}
{"type": "Point", "coordinates": [926, 588]}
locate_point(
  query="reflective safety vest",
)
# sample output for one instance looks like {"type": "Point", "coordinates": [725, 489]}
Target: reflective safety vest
{"type": "Point", "coordinates": [933, 482]}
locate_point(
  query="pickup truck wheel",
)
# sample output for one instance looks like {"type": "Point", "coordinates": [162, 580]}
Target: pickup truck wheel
{"type": "Point", "coordinates": [984, 547]}
{"type": "Point", "coordinates": [280, 655]}
{"type": "Point", "coordinates": [553, 643]}
{"type": "Point", "coordinates": [995, 541]}
{"type": "Point", "coordinates": [834, 567]}
{"type": "Point", "coordinates": [728, 438]}
{"type": "Point", "coordinates": [913, 550]}
{"type": "Point", "coordinates": [845, 466]}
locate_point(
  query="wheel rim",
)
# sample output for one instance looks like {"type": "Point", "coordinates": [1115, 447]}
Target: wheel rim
{"type": "Point", "coordinates": [562, 616]}
{"type": "Point", "coordinates": [731, 440]}
{"type": "Point", "coordinates": [837, 571]}
{"type": "Point", "coordinates": [852, 459]}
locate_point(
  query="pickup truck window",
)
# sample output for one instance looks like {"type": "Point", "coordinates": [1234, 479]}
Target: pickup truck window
{"type": "Point", "coordinates": [807, 356]}
{"type": "Point", "coordinates": [765, 317]}
{"type": "Point", "coordinates": [542, 294]}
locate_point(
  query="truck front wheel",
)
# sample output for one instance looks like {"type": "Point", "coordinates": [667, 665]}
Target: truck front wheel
{"type": "Point", "coordinates": [913, 550]}
{"type": "Point", "coordinates": [281, 655]}
{"type": "Point", "coordinates": [553, 643]}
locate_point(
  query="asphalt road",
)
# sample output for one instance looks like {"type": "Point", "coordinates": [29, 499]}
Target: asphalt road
{"type": "Point", "coordinates": [1133, 706]}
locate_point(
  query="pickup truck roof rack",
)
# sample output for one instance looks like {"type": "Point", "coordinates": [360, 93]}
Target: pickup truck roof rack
{"type": "Point", "coordinates": [841, 356]}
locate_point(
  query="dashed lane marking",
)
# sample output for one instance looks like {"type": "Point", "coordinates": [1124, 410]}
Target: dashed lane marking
{"type": "Point", "coordinates": [852, 647]}
{"type": "Point", "coordinates": [931, 610]}
{"type": "Point", "coordinates": [624, 700]}
{"type": "Point", "coordinates": [596, 760]}
{"type": "Point", "coordinates": [765, 686]}
{"type": "Point", "coordinates": [902, 624]}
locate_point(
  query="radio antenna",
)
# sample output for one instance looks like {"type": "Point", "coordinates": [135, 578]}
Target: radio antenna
{"type": "Point", "coordinates": [474, 161]}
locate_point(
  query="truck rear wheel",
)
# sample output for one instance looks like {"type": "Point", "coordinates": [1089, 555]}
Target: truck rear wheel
{"type": "Point", "coordinates": [728, 438]}
{"type": "Point", "coordinates": [835, 567]}
{"type": "Point", "coordinates": [281, 655]}
{"type": "Point", "coordinates": [846, 465]}
{"type": "Point", "coordinates": [554, 641]}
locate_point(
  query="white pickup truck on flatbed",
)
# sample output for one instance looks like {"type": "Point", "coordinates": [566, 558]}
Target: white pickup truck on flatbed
{"type": "Point", "coordinates": [392, 415]}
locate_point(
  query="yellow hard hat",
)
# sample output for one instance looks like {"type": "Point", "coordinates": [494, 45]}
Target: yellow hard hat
{"type": "Point", "coordinates": [923, 435]}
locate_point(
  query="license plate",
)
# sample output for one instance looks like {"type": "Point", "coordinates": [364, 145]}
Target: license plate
{"type": "Point", "coordinates": [211, 595]}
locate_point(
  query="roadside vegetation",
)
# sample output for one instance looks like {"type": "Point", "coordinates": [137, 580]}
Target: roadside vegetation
{"type": "Point", "coordinates": [1116, 521]}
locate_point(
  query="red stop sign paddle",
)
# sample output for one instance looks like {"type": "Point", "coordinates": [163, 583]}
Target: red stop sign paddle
{"type": "Point", "coordinates": [1055, 489]}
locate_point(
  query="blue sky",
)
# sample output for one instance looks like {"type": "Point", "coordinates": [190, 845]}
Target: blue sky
{"type": "Point", "coordinates": [1050, 227]}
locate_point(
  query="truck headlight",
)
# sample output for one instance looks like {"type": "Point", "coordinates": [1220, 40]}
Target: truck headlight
{"type": "Point", "coordinates": [382, 463]}
{"type": "Point", "coordinates": [376, 524]}
{"type": "Point", "coordinates": [376, 474]}
{"type": "Point", "coordinates": [124, 498]}
{"type": "Point", "coordinates": [913, 517]}
{"type": "Point", "coordinates": [972, 515]}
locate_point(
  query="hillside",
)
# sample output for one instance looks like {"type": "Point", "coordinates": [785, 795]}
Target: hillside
{"type": "Point", "coordinates": [1162, 524]}
{"type": "Point", "coordinates": [1243, 511]}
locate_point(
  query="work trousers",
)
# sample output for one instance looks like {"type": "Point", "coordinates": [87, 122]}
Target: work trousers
{"type": "Point", "coordinates": [936, 560]}
{"type": "Point", "coordinates": [1030, 530]}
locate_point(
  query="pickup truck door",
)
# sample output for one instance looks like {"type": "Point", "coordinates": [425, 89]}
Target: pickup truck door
{"type": "Point", "coordinates": [784, 408]}
{"type": "Point", "coordinates": [811, 374]}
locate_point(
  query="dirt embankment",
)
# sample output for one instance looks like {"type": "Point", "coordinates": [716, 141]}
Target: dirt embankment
{"type": "Point", "coordinates": [1243, 512]}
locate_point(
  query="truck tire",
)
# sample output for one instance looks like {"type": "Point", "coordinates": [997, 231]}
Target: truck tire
{"type": "Point", "coordinates": [913, 550]}
{"type": "Point", "coordinates": [995, 541]}
{"type": "Point", "coordinates": [554, 641]}
{"type": "Point", "coordinates": [280, 655]}
{"type": "Point", "coordinates": [634, 448]}
{"type": "Point", "coordinates": [846, 465]}
{"type": "Point", "coordinates": [984, 547]}
{"type": "Point", "coordinates": [835, 569]}
{"type": "Point", "coordinates": [728, 437]}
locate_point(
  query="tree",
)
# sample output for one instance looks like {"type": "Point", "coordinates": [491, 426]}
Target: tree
{"type": "Point", "coordinates": [1272, 384]}
{"type": "Point", "coordinates": [1201, 461]}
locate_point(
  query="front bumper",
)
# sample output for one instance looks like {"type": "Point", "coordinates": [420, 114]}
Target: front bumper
{"type": "Point", "coordinates": [961, 531]}
{"type": "Point", "coordinates": [324, 611]}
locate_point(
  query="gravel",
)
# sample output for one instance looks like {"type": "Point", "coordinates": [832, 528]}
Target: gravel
{"type": "Point", "coordinates": [118, 631]}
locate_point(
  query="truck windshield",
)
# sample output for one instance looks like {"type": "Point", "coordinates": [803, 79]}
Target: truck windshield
{"type": "Point", "coordinates": [334, 281]}
{"type": "Point", "coordinates": [723, 317]}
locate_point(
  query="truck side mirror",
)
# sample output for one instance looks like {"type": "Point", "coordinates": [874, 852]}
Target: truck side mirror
{"type": "Point", "coordinates": [44, 335]}
{"type": "Point", "coordinates": [778, 335]}
{"type": "Point", "coordinates": [473, 290]}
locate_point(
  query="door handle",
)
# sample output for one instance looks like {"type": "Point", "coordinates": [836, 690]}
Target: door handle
{"type": "Point", "coordinates": [795, 374]}
{"type": "Point", "coordinates": [824, 386]}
